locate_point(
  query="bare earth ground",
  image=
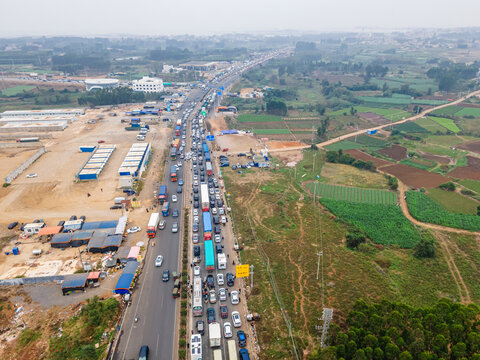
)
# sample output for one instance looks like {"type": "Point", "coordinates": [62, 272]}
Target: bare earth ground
{"type": "Point", "coordinates": [11, 158]}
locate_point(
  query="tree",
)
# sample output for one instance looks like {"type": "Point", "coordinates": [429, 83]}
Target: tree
{"type": "Point", "coordinates": [405, 356]}
{"type": "Point", "coordinates": [393, 182]}
{"type": "Point", "coordinates": [281, 70]}
{"type": "Point", "coordinates": [322, 129]}
{"type": "Point", "coordinates": [384, 87]}
{"type": "Point", "coordinates": [449, 186]}
{"type": "Point", "coordinates": [276, 106]}
{"type": "Point", "coordinates": [478, 210]}
{"type": "Point", "coordinates": [320, 109]}
{"type": "Point", "coordinates": [355, 238]}
{"type": "Point", "coordinates": [425, 248]}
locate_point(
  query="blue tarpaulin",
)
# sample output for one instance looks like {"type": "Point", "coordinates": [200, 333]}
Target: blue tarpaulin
{"type": "Point", "coordinates": [91, 225]}
{"type": "Point", "coordinates": [61, 240]}
{"type": "Point", "coordinates": [229, 132]}
{"type": "Point", "coordinates": [125, 280]}
{"type": "Point", "coordinates": [74, 282]}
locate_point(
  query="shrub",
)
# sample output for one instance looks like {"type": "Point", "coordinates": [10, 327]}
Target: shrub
{"type": "Point", "coordinates": [449, 186]}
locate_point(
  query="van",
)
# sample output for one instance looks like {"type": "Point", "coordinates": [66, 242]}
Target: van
{"type": "Point", "coordinates": [175, 293]}
{"type": "Point", "coordinates": [176, 284]}
{"type": "Point", "coordinates": [143, 355]}
{"type": "Point", "coordinates": [140, 137]}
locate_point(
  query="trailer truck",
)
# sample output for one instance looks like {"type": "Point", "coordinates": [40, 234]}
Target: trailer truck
{"type": "Point", "coordinates": [162, 194]}
{"type": "Point", "coordinates": [207, 225]}
{"type": "Point", "coordinates": [208, 166]}
{"type": "Point", "coordinates": [153, 224]}
{"type": "Point", "coordinates": [205, 198]}
{"type": "Point", "coordinates": [215, 334]}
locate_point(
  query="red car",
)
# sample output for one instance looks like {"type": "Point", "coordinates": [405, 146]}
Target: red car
{"type": "Point", "coordinates": [223, 312]}
{"type": "Point", "coordinates": [101, 141]}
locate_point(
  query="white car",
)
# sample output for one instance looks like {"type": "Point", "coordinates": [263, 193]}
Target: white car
{"type": "Point", "coordinates": [29, 176]}
{"type": "Point", "coordinates": [227, 330]}
{"type": "Point", "coordinates": [213, 297]}
{"type": "Point", "coordinates": [217, 191]}
{"type": "Point", "coordinates": [195, 177]}
{"type": "Point", "coordinates": [218, 238]}
{"type": "Point", "coordinates": [175, 227]}
{"type": "Point", "coordinates": [195, 212]}
{"type": "Point", "coordinates": [237, 322]}
{"type": "Point", "coordinates": [210, 191]}
{"type": "Point", "coordinates": [217, 196]}
{"type": "Point", "coordinates": [221, 211]}
{"type": "Point", "coordinates": [174, 198]}
{"type": "Point", "coordinates": [196, 218]}
{"type": "Point", "coordinates": [196, 271]}
{"type": "Point", "coordinates": [224, 219]}
{"type": "Point", "coordinates": [179, 164]}
{"type": "Point", "coordinates": [214, 211]}
{"type": "Point", "coordinates": [133, 230]}
{"type": "Point", "coordinates": [234, 297]}
{"type": "Point", "coordinates": [222, 294]}
{"type": "Point", "coordinates": [195, 183]}
{"type": "Point", "coordinates": [220, 279]}
{"type": "Point", "coordinates": [159, 261]}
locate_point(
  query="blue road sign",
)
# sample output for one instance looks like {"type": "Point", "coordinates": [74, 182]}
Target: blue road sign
{"type": "Point", "coordinates": [222, 88]}
{"type": "Point", "coordinates": [210, 137]}
{"type": "Point", "coordinates": [219, 93]}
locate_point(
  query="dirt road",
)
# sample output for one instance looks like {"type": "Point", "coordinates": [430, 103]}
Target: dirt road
{"type": "Point", "coordinates": [415, 117]}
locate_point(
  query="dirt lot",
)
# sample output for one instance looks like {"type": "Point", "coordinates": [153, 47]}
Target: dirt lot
{"type": "Point", "coordinates": [395, 152]}
{"type": "Point", "coordinates": [290, 157]}
{"type": "Point", "coordinates": [414, 177]}
{"type": "Point", "coordinates": [373, 118]}
{"type": "Point", "coordinates": [217, 123]}
{"type": "Point", "coordinates": [238, 143]}
{"type": "Point", "coordinates": [11, 158]}
{"type": "Point", "coordinates": [357, 154]}
{"type": "Point", "coordinates": [46, 85]}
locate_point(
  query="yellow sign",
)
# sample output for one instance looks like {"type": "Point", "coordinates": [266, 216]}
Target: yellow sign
{"type": "Point", "coordinates": [136, 204]}
{"type": "Point", "coordinates": [242, 270]}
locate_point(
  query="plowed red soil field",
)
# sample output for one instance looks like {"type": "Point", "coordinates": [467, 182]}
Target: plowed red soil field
{"type": "Point", "coordinates": [414, 177]}
{"type": "Point", "coordinates": [395, 152]}
{"type": "Point", "coordinates": [471, 146]}
{"type": "Point", "coordinates": [436, 158]}
{"type": "Point", "coordinates": [472, 171]}
{"type": "Point", "coordinates": [359, 155]}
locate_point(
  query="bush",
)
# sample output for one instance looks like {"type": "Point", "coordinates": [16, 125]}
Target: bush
{"type": "Point", "coordinates": [355, 238]}
{"type": "Point", "coordinates": [467, 192]}
{"type": "Point", "coordinates": [27, 336]}
{"type": "Point", "coordinates": [449, 186]}
{"type": "Point", "coordinates": [425, 248]}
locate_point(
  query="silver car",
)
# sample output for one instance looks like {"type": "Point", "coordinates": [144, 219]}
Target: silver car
{"type": "Point", "coordinates": [222, 294]}
{"type": "Point", "coordinates": [175, 227]}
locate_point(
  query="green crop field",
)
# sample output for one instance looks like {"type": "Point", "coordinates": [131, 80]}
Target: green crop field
{"type": "Point", "coordinates": [390, 114]}
{"type": "Point", "coordinates": [430, 125]}
{"type": "Point", "coordinates": [383, 224]}
{"type": "Point", "coordinates": [353, 194]}
{"type": "Point", "coordinates": [446, 111]}
{"type": "Point", "coordinates": [471, 184]}
{"type": "Point", "coordinates": [372, 142]}
{"type": "Point", "coordinates": [258, 118]}
{"type": "Point", "coordinates": [452, 201]}
{"type": "Point", "coordinates": [271, 131]}
{"type": "Point", "coordinates": [399, 100]}
{"type": "Point", "coordinates": [410, 127]}
{"type": "Point", "coordinates": [468, 112]}
{"type": "Point", "coordinates": [427, 210]}
{"type": "Point", "coordinates": [14, 90]}
{"type": "Point", "coordinates": [344, 145]}
{"type": "Point", "coordinates": [446, 123]}
{"type": "Point", "coordinates": [417, 165]}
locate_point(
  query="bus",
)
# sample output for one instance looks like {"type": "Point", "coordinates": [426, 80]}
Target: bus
{"type": "Point", "coordinates": [173, 153]}
{"type": "Point", "coordinates": [197, 296]}
{"type": "Point", "coordinates": [232, 350]}
{"type": "Point", "coordinates": [209, 255]}
{"type": "Point", "coordinates": [166, 208]}
{"type": "Point", "coordinates": [196, 347]}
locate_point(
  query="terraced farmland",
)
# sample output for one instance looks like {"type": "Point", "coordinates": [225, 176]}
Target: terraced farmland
{"type": "Point", "coordinates": [258, 118]}
{"type": "Point", "coordinates": [353, 194]}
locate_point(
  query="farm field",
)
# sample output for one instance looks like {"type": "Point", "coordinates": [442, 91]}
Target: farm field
{"type": "Point", "coordinates": [14, 90]}
{"type": "Point", "coordinates": [395, 152]}
{"type": "Point", "coordinates": [384, 224]}
{"type": "Point", "coordinates": [446, 123]}
{"type": "Point", "coordinates": [410, 127]}
{"type": "Point", "coordinates": [466, 111]}
{"type": "Point", "coordinates": [359, 155]}
{"type": "Point", "coordinates": [353, 194]}
{"type": "Point", "coordinates": [258, 118]}
{"type": "Point", "coordinates": [449, 110]}
{"type": "Point", "coordinates": [414, 177]}
{"type": "Point", "coordinates": [471, 184]}
{"type": "Point", "coordinates": [390, 114]}
{"type": "Point", "coordinates": [371, 142]}
{"type": "Point", "coordinates": [424, 209]}
{"type": "Point", "coordinates": [416, 83]}
{"type": "Point", "coordinates": [271, 131]}
{"type": "Point", "coordinates": [343, 145]}
{"type": "Point", "coordinates": [340, 174]}
{"type": "Point", "coordinates": [419, 164]}
{"type": "Point", "coordinates": [399, 101]}
{"type": "Point", "coordinates": [430, 125]}
{"type": "Point", "coordinates": [453, 201]}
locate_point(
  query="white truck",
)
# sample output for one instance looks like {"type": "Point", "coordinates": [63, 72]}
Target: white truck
{"type": "Point", "coordinates": [214, 334]}
{"type": "Point", "coordinates": [205, 197]}
{"type": "Point", "coordinates": [222, 261]}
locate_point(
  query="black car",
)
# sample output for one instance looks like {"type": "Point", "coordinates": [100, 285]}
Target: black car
{"type": "Point", "coordinates": [210, 315]}
{"type": "Point", "coordinates": [175, 213]}
{"type": "Point", "coordinates": [166, 275]}
{"type": "Point", "coordinates": [219, 203]}
{"type": "Point", "coordinates": [210, 281]}
{"type": "Point", "coordinates": [12, 225]}
{"type": "Point", "coordinates": [216, 220]}
{"type": "Point", "coordinates": [61, 223]}
{"type": "Point", "coordinates": [195, 204]}
{"type": "Point", "coordinates": [241, 154]}
{"type": "Point", "coordinates": [196, 250]}
{"type": "Point", "coordinates": [202, 178]}
{"type": "Point", "coordinates": [179, 190]}
{"type": "Point", "coordinates": [114, 207]}
{"type": "Point", "coordinates": [195, 197]}
{"type": "Point", "coordinates": [230, 279]}
{"type": "Point", "coordinates": [200, 327]}
{"type": "Point", "coordinates": [201, 167]}
{"type": "Point", "coordinates": [143, 355]}
{"type": "Point", "coordinates": [210, 185]}
{"type": "Point", "coordinates": [219, 248]}
{"type": "Point", "coordinates": [217, 229]}
{"type": "Point", "coordinates": [195, 190]}
{"type": "Point", "coordinates": [73, 217]}
{"type": "Point", "coordinates": [83, 218]}
{"type": "Point", "coordinates": [212, 204]}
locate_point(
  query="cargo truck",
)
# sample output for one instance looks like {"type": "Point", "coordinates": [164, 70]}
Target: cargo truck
{"type": "Point", "coordinates": [153, 224]}
{"type": "Point", "coordinates": [173, 173]}
{"type": "Point", "coordinates": [215, 334]}
{"type": "Point", "coordinates": [29, 139]}
{"type": "Point", "coordinates": [207, 225]}
{"type": "Point", "coordinates": [162, 194]}
{"type": "Point", "coordinates": [204, 197]}
{"type": "Point", "coordinates": [166, 208]}
{"type": "Point", "coordinates": [208, 166]}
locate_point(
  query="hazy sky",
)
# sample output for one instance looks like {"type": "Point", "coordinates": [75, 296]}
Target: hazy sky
{"type": "Point", "coordinates": [162, 17]}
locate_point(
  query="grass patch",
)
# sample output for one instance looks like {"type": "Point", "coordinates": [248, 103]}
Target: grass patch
{"type": "Point", "coordinates": [425, 209]}
{"type": "Point", "coordinates": [453, 201]}
{"type": "Point", "coordinates": [340, 174]}
{"type": "Point", "coordinates": [446, 123]}
{"type": "Point", "coordinates": [471, 184]}
{"type": "Point", "coordinates": [353, 194]}
{"type": "Point", "coordinates": [14, 90]}
{"type": "Point", "coordinates": [372, 142]}
{"type": "Point", "coordinates": [271, 131]}
{"type": "Point", "coordinates": [446, 111]}
{"type": "Point", "coordinates": [419, 165]}
{"type": "Point", "coordinates": [27, 336]}
{"type": "Point", "coordinates": [468, 112]}
{"type": "Point", "coordinates": [430, 125]}
{"type": "Point", "coordinates": [344, 145]}
{"type": "Point", "coordinates": [410, 127]}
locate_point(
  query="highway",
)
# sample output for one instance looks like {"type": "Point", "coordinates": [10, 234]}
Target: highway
{"type": "Point", "coordinates": [152, 302]}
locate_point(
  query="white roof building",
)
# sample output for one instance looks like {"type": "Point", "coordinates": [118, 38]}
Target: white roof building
{"type": "Point", "coordinates": [97, 84]}
{"type": "Point", "coordinates": [148, 84]}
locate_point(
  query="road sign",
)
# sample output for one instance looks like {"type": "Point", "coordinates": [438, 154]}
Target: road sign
{"type": "Point", "coordinates": [242, 270]}
{"type": "Point", "coordinates": [210, 137]}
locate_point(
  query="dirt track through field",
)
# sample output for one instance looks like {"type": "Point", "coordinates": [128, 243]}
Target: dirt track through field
{"type": "Point", "coordinates": [415, 117]}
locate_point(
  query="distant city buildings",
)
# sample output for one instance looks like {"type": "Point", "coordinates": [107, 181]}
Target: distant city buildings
{"type": "Point", "coordinates": [148, 85]}
{"type": "Point", "coordinates": [199, 65]}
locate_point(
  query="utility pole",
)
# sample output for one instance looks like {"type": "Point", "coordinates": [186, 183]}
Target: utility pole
{"type": "Point", "coordinates": [320, 254]}
{"type": "Point", "coordinates": [251, 278]}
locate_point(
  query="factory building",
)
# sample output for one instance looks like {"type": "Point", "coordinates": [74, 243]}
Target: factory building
{"type": "Point", "coordinates": [46, 112]}
{"type": "Point", "coordinates": [148, 85]}
{"type": "Point", "coordinates": [199, 65]}
{"type": "Point", "coordinates": [100, 84]}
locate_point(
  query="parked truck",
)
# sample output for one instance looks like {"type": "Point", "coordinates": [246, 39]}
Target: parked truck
{"type": "Point", "coordinates": [153, 224]}
{"type": "Point", "coordinates": [215, 334]}
{"type": "Point", "coordinates": [28, 139]}
{"type": "Point", "coordinates": [208, 165]}
{"type": "Point", "coordinates": [162, 194]}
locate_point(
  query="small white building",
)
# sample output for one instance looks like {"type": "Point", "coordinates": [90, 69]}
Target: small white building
{"type": "Point", "coordinates": [99, 84]}
{"type": "Point", "coordinates": [33, 228]}
{"type": "Point", "coordinates": [148, 85]}
{"type": "Point", "coordinates": [73, 225]}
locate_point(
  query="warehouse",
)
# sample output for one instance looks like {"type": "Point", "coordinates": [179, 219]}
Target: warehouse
{"type": "Point", "coordinates": [96, 163]}
{"type": "Point", "coordinates": [61, 241]}
{"type": "Point", "coordinates": [80, 238]}
{"type": "Point", "coordinates": [199, 65]}
{"type": "Point", "coordinates": [135, 162]}
{"type": "Point", "coordinates": [126, 279]}
{"type": "Point", "coordinates": [74, 282]}
{"type": "Point", "coordinates": [45, 112]}
{"type": "Point", "coordinates": [102, 243]}
{"type": "Point", "coordinates": [121, 255]}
